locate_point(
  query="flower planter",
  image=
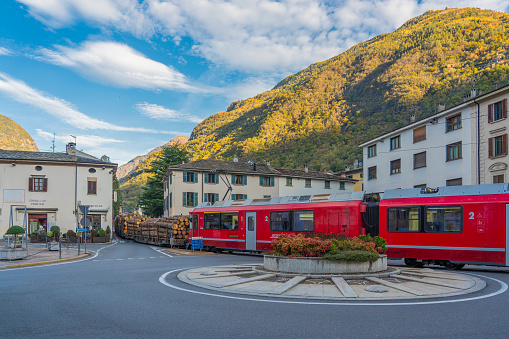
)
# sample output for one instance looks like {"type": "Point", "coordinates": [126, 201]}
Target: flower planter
{"type": "Point", "coordinates": [53, 246]}
{"type": "Point", "coordinates": [13, 253]}
{"type": "Point", "coordinates": [313, 265]}
{"type": "Point", "coordinates": [98, 239]}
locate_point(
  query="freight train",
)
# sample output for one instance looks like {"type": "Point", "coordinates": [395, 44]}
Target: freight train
{"type": "Point", "coordinates": [449, 226]}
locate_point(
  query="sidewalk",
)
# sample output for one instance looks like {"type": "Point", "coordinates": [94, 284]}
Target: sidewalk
{"type": "Point", "coordinates": [38, 254]}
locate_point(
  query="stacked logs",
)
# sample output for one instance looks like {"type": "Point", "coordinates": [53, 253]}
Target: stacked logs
{"type": "Point", "coordinates": [154, 230]}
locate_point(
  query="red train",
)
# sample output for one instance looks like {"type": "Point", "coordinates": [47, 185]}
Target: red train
{"type": "Point", "coordinates": [449, 226]}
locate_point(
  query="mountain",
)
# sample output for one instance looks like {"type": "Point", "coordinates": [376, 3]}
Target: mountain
{"type": "Point", "coordinates": [131, 166]}
{"type": "Point", "coordinates": [13, 137]}
{"type": "Point", "coordinates": [132, 175]}
{"type": "Point", "coordinates": [321, 114]}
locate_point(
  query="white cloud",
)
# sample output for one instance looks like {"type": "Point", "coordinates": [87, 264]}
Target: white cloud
{"type": "Point", "coordinates": [162, 113]}
{"type": "Point", "coordinates": [86, 141]}
{"type": "Point", "coordinates": [257, 36]}
{"type": "Point", "coordinates": [4, 51]}
{"type": "Point", "coordinates": [61, 109]}
{"type": "Point", "coordinates": [116, 64]}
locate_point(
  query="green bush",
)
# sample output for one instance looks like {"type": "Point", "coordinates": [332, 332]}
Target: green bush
{"type": "Point", "coordinates": [78, 234]}
{"type": "Point", "coordinates": [101, 232]}
{"type": "Point", "coordinates": [108, 229]}
{"type": "Point", "coordinates": [352, 256]}
{"type": "Point", "coordinates": [71, 233]}
{"type": "Point", "coordinates": [380, 243]}
{"type": "Point", "coordinates": [55, 229]}
{"type": "Point", "coordinates": [15, 230]}
{"type": "Point", "coordinates": [49, 234]}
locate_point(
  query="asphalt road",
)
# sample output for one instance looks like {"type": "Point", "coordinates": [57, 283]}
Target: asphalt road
{"type": "Point", "coordinates": [118, 294]}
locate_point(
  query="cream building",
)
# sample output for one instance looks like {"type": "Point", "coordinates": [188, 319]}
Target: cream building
{"type": "Point", "coordinates": [50, 186]}
{"type": "Point", "coordinates": [189, 184]}
{"type": "Point", "coordinates": [466, 144]}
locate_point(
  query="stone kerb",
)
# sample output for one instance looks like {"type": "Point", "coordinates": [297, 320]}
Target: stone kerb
{"type": "Point", "coordinates": [313, 265]}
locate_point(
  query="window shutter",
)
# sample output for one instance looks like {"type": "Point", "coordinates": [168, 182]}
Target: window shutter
{"type": "Point", "coordinates": [244, 179]}
{"type": "Point", "coordinates": [195, 199]}
{"type": "Point", "coordinates": [504, 108]}
{"type": "Point", "coordinates": [490, 113]}
{"type": "Point", "coordinates": [216, 197]}
{"type": "Point", "coordinates": [184, 199]}
{"type": "Point", "coordinates": [171, 201]}
{"type": "Point", "coordinates": [185, 177]}
{"type": "Point", "coordinates": [195, 176]}
{"type": "Point", "coordinates": [271, 181]}
{"type": "Point", "coordinates": [217, 178]}
{"type": "Point", "coordinates": [504, 144]}
{"type": "Point", "coordinates": [234, 179]}
{"type": "Point", "coordinates": [245, 196]}
{"type": "Point", "coordinates": [206, 178]}
{"type": "Point", "coordinates": [205, 197]}
{"type": "Point", "coordinates": [261, 181]}
{"type": "Point", "coordinates": [490, 147]}
{"type": "Point", "coordinates": [45, 180]}
{"type": "Point", "coordinates": [31, 184]}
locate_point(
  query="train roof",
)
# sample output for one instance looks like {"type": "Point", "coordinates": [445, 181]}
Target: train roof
{"type": "Point", "coordinates": [447, 191]}
{"type": "Point", "coordinates": [298, 199]}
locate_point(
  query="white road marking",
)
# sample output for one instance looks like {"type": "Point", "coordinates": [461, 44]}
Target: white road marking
{"type": "Point", "coordinates": [120, 259]}
{"type": "Point", "coordinates": [503, 288]}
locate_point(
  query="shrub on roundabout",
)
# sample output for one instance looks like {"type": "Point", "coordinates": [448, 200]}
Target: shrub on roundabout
{"type": "Point", "coordinates": [329, 246]}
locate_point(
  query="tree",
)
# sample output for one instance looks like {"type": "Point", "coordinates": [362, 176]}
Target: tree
{"type": "Point", "coordinates": [152, 196]}
{"type": "Point", "coordinates": [118, 203]}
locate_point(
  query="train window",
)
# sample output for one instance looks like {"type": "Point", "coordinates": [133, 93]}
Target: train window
{"type": "Point", "coordinates": [230, 221]}
{"type": "Point", "coordinates": [443, 219]}
{"type": "Point", "coordinates": [280, 221]}
{"type": "Point", "coordinates": [212, 221]}
{"type": "Point", "coordinates": [303, 221]}
{"type": "Point", "coordinates": [250, 223]}
{"type": "Point", "coordinates": [195, 223]}
{"type": "Point", "coordinates": [403, 219]}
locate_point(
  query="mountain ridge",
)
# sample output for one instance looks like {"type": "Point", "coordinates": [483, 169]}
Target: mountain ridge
{"type": "Point", "coordinates": [13, 137]}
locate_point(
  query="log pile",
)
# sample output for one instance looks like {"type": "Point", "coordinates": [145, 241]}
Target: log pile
{"type": "Point", "coordinates": [154, 230]}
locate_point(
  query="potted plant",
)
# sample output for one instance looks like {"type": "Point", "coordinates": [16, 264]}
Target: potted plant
{"type": "Point", "coordinates": [101, 234]}
{"type": "Point", "coordinates": [33, 237]}
{"type": "Point", "coordinates": [14, 249]}
{"type": "Point", "coordinates": [108, 233]}
{"type": "Point", "coordinates": [71, 235]}
{"type": "Point", "coordinates": [53, 244]}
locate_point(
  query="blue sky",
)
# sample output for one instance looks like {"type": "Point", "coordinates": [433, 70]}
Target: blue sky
{"type": "Point", "coordinates": [125, 76]}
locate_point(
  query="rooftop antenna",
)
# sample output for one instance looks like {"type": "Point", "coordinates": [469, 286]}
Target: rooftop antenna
{"type": "Point", "coordinates": [53, 142]}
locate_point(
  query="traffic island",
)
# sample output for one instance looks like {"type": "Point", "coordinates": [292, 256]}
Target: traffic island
{"type": "Point", "coordinates": [395, 283]}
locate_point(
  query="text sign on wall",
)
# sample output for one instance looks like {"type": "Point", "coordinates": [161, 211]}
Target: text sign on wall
{"type": "Point", "coordinates": [14, 195]}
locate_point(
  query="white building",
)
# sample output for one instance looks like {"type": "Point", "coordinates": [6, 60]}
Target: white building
{"type": "Point", "coordinates": [444, 149]}
{"type": "Point", "coordinates": [50, 186]}
{"type": "Point", "coordinates": [189, 184]}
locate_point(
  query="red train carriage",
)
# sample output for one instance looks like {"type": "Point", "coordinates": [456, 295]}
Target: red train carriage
{"type": "Point", "coordinates": [252, 224]}
{"type": "Point", "coordinates": [449, 226]}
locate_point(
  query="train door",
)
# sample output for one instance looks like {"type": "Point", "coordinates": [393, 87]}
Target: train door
{"type": "Point", "coordinates": [339, 223]}
{"type": "Point", "coordinates": [196, 232]}
{"type": "Point", "coordinates": [251, 231]}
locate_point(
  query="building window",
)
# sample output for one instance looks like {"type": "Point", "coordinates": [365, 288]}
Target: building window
{"type": "Point", "coordinates": [38, 184]}
{"type": "Point", "coordinates": [239, 196]}
{"type": "Point", "coordinates": [396, 166]}
{"type": "Point", "coordinates": [327, 184]}
{"type": "Point", "coordinates": [420, 160]}
{"type": "Point", "coordinates": [266, 197]}
{"type": "Point", "coordinates": [239, 179]}
{"type": "Point", "coordinates": [498, 179]}
{"type": "Point", "coordinates": [90, 170]}
{"type": "Point", "coordinates": [211, 178]}
{"type": "Point", "coordinates": [422, 186]}
{"type": "Point", "coordinates": [38, 168]}
{"type": "Point", "coordinates": [289, 182]}
{"type": "Point", "coordinates": [308, 183]}
{"type": "Point", "coordinates": [453, 123]}
{"type": "Point", "coordinates": [372, 173]}
{"type": "Point", "coordinates": [454, 182]}
{"type": "Point", "coordinates": [497, 111]}
{"type": "Point", "coordinates": [372, 151]}
{"type": "Point", "coordinates": [349, 176]}
{"type": "Point", "coordinates": [171, 200]}
{"type": "Point", "coordinates": [210, 197]}
{"type": "Point", "coordinates": [190, 177]}
{"type": "Point", "coordinates": [92, 186]}
{"type": "Point", "coordinates": [170, 176]}
{"type": "Point", "coordinates": [419, 134]}
{"type": "Point", "coordinates": [341, 185]}
{"type": "Point", "coordinates": [267, 181]}
{"type": "Point", "coordinates": [189, 199]}
{"type": "Point", "coordinates": [454, 151]}
{"type": "Point", "coordinates": [395, 142]}
{"type": "Point", "coordinates": [497, 146]}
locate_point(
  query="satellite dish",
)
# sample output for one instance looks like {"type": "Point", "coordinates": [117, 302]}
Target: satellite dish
{"type": "Point", "coordinates": [235, 160]}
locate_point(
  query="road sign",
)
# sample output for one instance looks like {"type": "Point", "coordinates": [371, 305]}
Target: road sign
{"type": "Point", "coordinates": [84, 209]}
{"type": "Point", "coordinates": [85, 222]}
{"type": "Point", "coordinates": [81, 230]}
{"type": "Point", "coordinates": [197, 244]}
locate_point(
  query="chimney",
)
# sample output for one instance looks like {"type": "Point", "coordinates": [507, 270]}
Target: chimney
{"type": "Point", "coordinates": [441, 107]}
{"type": "Point", "coordinates": [105, 158]}
{"type": "Point", "coordinates": [306, 168]}
{"type": "Point", "coordinates": [70, 148]}
{"type": "Point", "coordinates": [268, 163]}
{"type": "Point", "coordinates": [412, 118]}
{"type": "Point", "coordinates": [254, 166]}
{"type": "Point", "coordinates": [473, 93]}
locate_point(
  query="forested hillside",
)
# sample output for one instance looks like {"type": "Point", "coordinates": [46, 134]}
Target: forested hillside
{"type": "Point", "coordinates": [320, 115]}
{"type": "Point", "coordinates": [13, 137]}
